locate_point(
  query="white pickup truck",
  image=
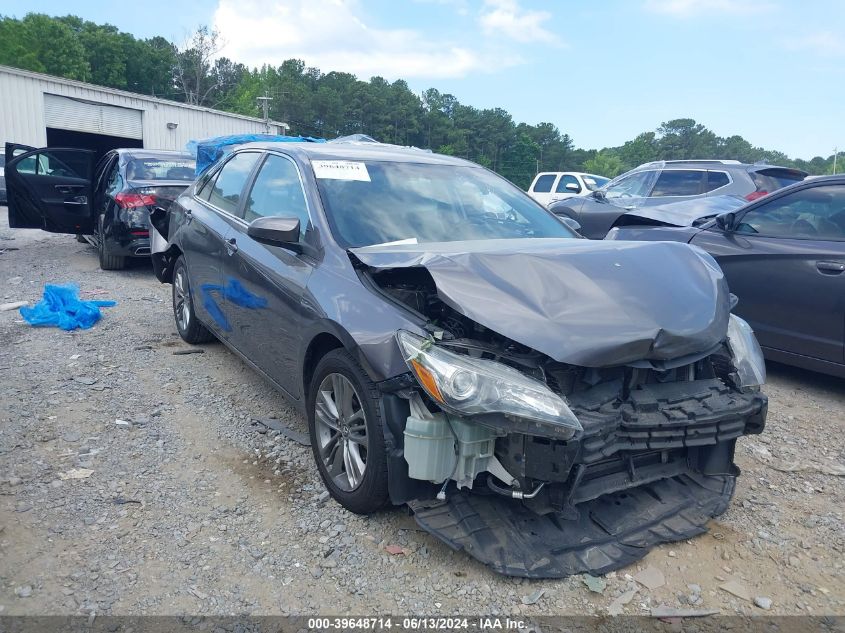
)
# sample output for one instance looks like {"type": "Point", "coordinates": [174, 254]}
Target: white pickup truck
{"type": "Point", "coordinates": [551, 186]}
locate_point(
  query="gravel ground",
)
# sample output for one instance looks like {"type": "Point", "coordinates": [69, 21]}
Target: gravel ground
{"type": "Point", "coordinates": [184, 508]}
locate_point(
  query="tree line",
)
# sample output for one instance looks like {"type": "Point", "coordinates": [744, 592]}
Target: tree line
{"type": "Point", "coordinates": [335, 103]}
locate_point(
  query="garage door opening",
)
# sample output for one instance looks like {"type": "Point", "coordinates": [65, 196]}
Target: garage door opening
{"type": "Point", "coordinates": [99, 143]}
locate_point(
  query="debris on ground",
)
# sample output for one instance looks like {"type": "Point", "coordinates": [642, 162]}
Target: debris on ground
{"type": "Point", "coordinates": [24, 591]}
{"type": "Point", "coordinates": [809, 466]}
{"type": "Point", "coordinates": [124, 424]}
{"type": "Point", "coordinates": [14, 305]}
{"type": "Point", "coordinates": [61, 307]}
{"type": "Point", "coordinates": [272, 424]}
{"type": "Point", "coordinates": [76, 473]}
{"type": "Point", "coordinates": [763, 602]}
{"type": "Point", "coordinates": [395, 550]}
{"type": "Point", "coordinates": [651, 578]}
{"type": "Point", "coordinates": [737, 589]}
{"type": "Point", "coordinates": [533, 597]}
{"type": "Point", "coordinates": [594, 584]}
{"type": "Point", "coordinates": [616, 607]}
{"type": "Point", "coordinates": [190, 350]}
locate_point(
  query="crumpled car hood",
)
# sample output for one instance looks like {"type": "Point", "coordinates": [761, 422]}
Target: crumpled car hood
{"type": "Point", "coordinates": [581, 302]}
{"type": "Point", "coordinates": [686, 212]}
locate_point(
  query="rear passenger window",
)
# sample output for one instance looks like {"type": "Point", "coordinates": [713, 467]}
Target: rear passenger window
{"type": "Point", "coordinates": [225, 193]}
{"type": "Point", "coordinates": [277, 192]}
{"type": "Point", "coordinates": [678, 182]}
{"type": "Point", "coordinates": [716, 179]}
{"type": "Point", "coordinates": [544, 183]}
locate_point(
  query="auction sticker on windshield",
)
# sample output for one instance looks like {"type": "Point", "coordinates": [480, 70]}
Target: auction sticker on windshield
{"type": "Point", "coordinates": [341, 170]}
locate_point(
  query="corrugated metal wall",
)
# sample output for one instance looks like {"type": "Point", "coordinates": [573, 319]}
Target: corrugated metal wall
{"type": "Point", "coordinates": [23, 118]}
{"type": "Point", "coordinates": [65, 113]}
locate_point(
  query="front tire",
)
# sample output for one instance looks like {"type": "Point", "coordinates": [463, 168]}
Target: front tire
{"type": "Point", "coordinates": [187, 323]}
{"type": "Point", "coordinates": [344, 421]}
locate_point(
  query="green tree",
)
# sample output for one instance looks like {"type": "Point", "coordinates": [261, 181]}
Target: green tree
{"type": "Point", "coordinates": [604, 164]}
{"type": "Point", "coordinates": [51, 47]}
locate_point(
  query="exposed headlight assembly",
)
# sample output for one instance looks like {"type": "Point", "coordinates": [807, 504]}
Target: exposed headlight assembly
{"type": "Point", "coordinates": [747, 355]}
{"type": "Point", "coordinates": [474, 386]}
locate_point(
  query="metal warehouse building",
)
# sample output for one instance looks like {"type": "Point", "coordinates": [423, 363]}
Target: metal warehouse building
{"type": "Point", "coordinates": [45, 111]}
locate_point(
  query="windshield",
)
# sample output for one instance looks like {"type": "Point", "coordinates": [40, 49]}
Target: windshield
{"type": "Point", "coordinates": [595, 182]}
{"type": "Point", "coordinates": [160, 169]}
{"type": "Point", "coordinates": [382, 202]}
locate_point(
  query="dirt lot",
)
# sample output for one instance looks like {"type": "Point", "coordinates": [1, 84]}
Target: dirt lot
{"type": "Point", "coordinates": [187, 509]}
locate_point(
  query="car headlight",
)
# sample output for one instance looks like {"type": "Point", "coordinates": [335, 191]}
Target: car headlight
{"type": "Point", "coordinates": [747, 355]}
{"type": "Point", "coordinates": [472, 386]}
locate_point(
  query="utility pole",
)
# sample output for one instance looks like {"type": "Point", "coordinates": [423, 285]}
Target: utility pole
{"type": "Point", "coordinates": [835, 152]}
{"type": "Point", "coordinates": [265, 103]}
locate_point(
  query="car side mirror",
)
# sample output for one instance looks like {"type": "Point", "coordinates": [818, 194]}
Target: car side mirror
{"type": "Point", "coordinates": [726, 222]}
{"type": "Point", "coordinates": [275, 231]}
{"type": "Point", "coordinates": [599, 195]}
{"type": "Point", "coordinates": [573, 187]}
{"type": "Point", "coordinates": [572, 224]}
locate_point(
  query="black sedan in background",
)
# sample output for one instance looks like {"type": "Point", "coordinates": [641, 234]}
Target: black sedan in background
{"type": "Point", "coordinates": [784, 257]}
{"type": "Point", "coordinates": [550, 405]}
{"type": "Point", "coordinates": [108, 205]}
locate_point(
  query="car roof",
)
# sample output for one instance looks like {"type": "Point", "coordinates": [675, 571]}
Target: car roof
{"type": "Point", "coordinates": [360, 151]}
{"type": "Point", "coordinates": [815, 181]}
{"type": "Point", "coordinates": [712, 164]}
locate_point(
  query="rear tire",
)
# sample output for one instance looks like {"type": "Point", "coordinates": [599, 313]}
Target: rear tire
{"type": "Point", "coordinates": [345, 425]}
{"type": "Point", "coordinates": [187, 323]}
{"type": "Point", "coordinates": [107, 261]}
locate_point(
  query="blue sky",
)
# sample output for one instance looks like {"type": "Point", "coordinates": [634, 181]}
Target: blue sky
{"type": "Point", "coordinates": [772, 71]}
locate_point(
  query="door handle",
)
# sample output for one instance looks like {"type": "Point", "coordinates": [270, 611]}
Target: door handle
{"type": "Point", "coordinates": [188, 216]}
{"type": "Point", "coordinates": [68, 189]}
{"type": "Point", "coordinates": [231, 246]}
{"type": "Point", "coordinates": [830, 268]}
{"type": "Point", "coordinates": [78, 200]}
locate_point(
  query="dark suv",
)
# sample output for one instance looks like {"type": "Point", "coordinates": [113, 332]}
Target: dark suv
{"type": "Point", "coordinates": [662, 182]}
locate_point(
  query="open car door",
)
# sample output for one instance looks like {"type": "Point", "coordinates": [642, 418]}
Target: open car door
{"type": "Point", "coordinates": [50, 189]}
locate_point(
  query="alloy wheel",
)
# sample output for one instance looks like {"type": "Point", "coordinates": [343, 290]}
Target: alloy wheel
{"type": "Point", "coordinates": [341, 429]}
{"type": "Point", "coordinates": [182, 303]}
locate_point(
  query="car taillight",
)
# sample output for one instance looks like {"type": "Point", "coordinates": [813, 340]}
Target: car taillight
{"type": "Point", "coordinates": [133, 200]}
{"type": "Point", "coordinates": [756, 194]}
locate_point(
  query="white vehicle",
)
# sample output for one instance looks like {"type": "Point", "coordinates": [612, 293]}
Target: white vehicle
{"type": "Point", "coordinates": [551, 186]}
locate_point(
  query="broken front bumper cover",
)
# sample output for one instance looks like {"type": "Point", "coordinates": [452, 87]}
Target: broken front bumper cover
{"type": "Point", "coordinates": [653, 470]}
{"type": "Point", "coordinates": [610, 532]}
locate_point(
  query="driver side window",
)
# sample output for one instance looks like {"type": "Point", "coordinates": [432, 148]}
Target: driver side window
{"type": "Point", "coordinates": [277, 191]}
{"type": "Point", "coordinates": [817, 213]}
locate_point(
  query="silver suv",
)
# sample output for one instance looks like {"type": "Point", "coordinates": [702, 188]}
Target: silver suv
{"type": "Point", "coordinates": [662, 182]}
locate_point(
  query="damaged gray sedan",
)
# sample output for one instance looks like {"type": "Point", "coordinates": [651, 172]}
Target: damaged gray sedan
{"type": "Point", "coordinates": [548, 404]}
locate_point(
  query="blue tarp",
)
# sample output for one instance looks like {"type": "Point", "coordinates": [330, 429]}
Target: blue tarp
{"type": "Point", "coordinates": [61, 307]}
{"type": "Point", "coordinates": [209, 150]}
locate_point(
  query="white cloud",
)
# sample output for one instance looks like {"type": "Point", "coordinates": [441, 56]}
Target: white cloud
{"type": "Point", "coordinates": [825, 43]}
{"type": "Point", "coordinates": [506, 18]}
{"type": "Point", "coordinates": [689, 8]}
{"type": "Point", "coordinates": [334, 35]}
